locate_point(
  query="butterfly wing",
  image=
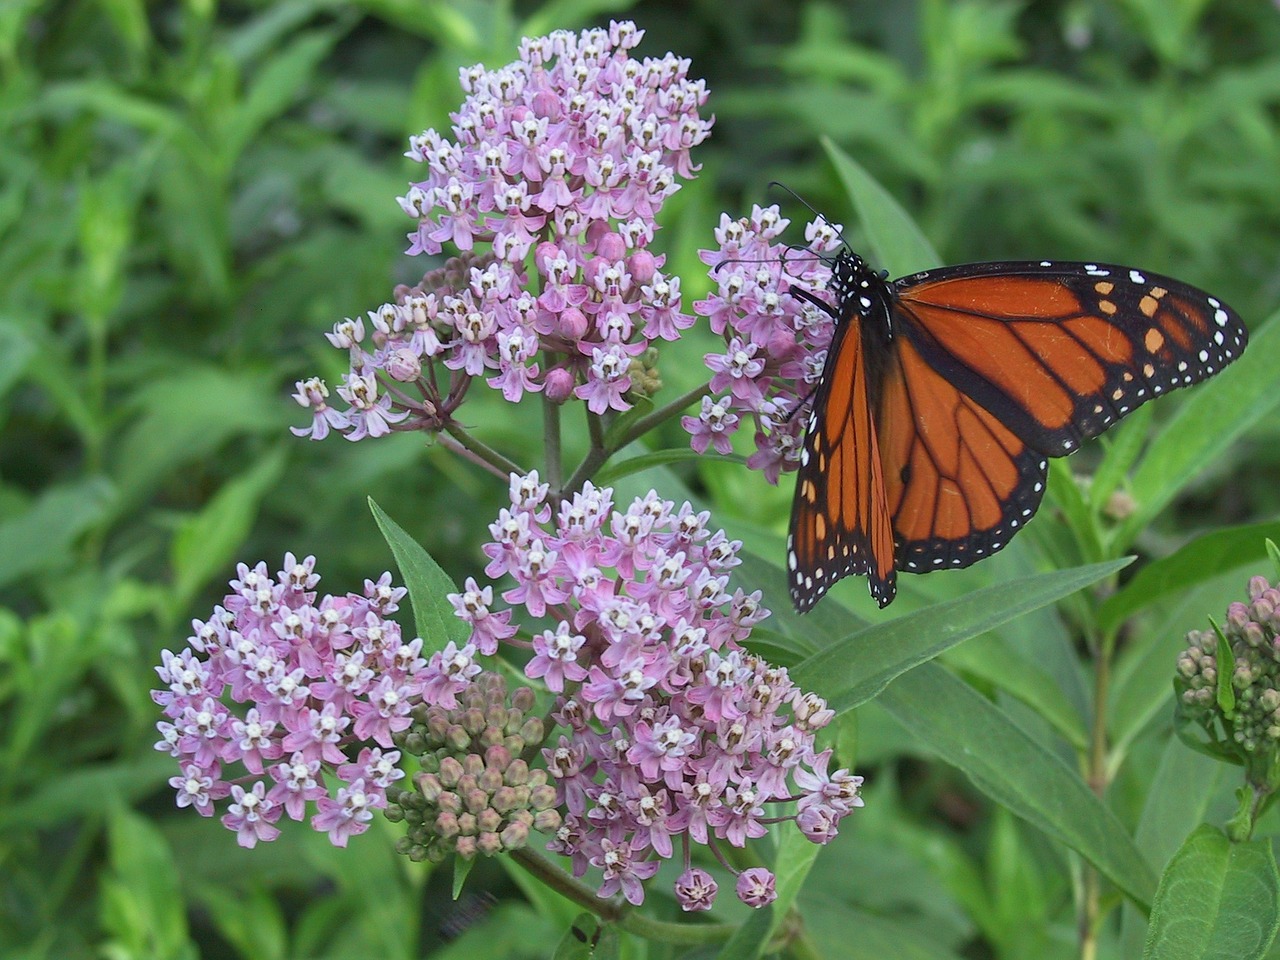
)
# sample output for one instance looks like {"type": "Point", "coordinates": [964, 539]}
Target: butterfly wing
{"type": "Point", "coordinates": [1060, 351]}
{"type": "Point", "coordinates": [998, 366]}
{"type": "Point", "coordinates": [958, 482]}
{"type": "Point", "coordinates": [840, 522]}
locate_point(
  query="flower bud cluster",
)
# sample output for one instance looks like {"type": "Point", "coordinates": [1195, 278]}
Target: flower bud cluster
{"type": "Point", "coordinates": [551, 183]}
{"type": "Point", "coordinates": [776, 343]}
{"type": "Point", "coordinates": [475, 792]}
{"type": "Point", "coordinates": [317, 680]}
{"type": "Point", "coordinates": [1253, 632]}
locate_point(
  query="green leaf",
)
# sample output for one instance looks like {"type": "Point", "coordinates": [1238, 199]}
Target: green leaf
{"type": "Point", "coordinates": [461, 870]}
{"type": "Point", "coordinates": [992, 660]}
{"type": "Point", "coordinates": [862, 664]}
{"type": "Point", "coordinates": [40, 537]}
{"type": "Point", "coordinates": [1199, 433]}
{"type": "Point", "coordinates": [16, 351]}
{"type": "Point", "coordinates": [1006, 764]}
{"type": "Point", "coordinates": [796, 854]}
{"type": "Point", "coordinates": [660, 458]}
{"type": "Point", "coordinates": [205, 544]}
{"type": "Point", "coordinates": [896, 242]}
{"type": "Point", "coordinates": [1217, 900]}
{"type": "Point", "coordinates": [750, 939]}
{"type": "Point", "coordinates": [1226, 667]}
{"type": "Point", "coordinates": [433, 615]}
{"type": "Point", "coordinates": [1202, 558]}
{"type": "Point", "coordinates": [577, 942]}
{"type": "Point", "coordinates": [140, 909]}
{"type": "Point", "coordinates": [250, 920]}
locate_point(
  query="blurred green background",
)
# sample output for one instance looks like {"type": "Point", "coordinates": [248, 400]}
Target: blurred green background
{"type": "Point", "coordinates": [191, 193]}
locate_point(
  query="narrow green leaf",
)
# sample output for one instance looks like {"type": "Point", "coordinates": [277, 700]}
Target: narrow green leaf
{"type": "Point", "coordinates": [205, 544]}
{"type": "Point", "coordinates": [796, 854]}
{"type": "Point", "coordinates": [990, 659]}
{"type": "Point", "coordinates": [896, 242]}
{"type": "Point", "coordinates": [141, 910]}
{"type": "Point", "coordinates": [859, 666]}
{"type": "Point", "coordinates": [16, 351]}
{"type": "Point", "coordinates": [1273, 552]}
{"type": "Point", "coordinates": [461, 870]}
{"type": "Point", "coordinates": [40, 537]}
{"type": "Point", "coordinates": [749, 940]}
{"type": "Point", "coordinates": [1199, 433]}
{"type": "Point", "coordinates": [432, 614]}
{"type": "Point", "coordinates": [1202, 558]}
{"type": "Point", "coordinates": [1122, 446]}
{"type": "Point", "coordinates": [278, 83]}
{"type": "Point", "coordinates": [1006, 764]}
{"type": "Point", "coordinates": [1226, 665]}
{"type": "Point", "coordinates": [1218, 900]}
{"type": "Point", "coordinates": [250, 920]}
{"type": "Point", "coordinates": [576, 944]}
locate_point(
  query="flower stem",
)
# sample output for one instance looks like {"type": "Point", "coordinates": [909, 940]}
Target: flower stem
{"type": "Point", "coordinates": [660, 415]}
{"type": "Point", "coordinates": [483, 452]}
{"type": "Point", "coordinates": [595, 458]}
{"type": "Point", "coordinates": [551, 439]}
{"type": "Point", "coordinates": [1098, 778]}
{"type": "Point", "coordinates": [612, 911]}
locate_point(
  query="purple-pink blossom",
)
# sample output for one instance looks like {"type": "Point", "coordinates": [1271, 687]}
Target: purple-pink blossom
{"type": "Point", "coordinates": [279, 686]}
{"type": "Point", "coordinates": [669, 730]}
{"type": "Point", "coordinates": [775, 342]}
{"type": "Point", "coordinates": [547, 185]}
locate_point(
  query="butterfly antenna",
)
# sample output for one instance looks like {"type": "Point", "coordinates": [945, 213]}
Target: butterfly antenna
{"type": "Point", "coordinates": [782, 186]}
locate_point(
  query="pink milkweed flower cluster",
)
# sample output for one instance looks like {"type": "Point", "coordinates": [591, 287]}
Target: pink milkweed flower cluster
{"type": "Point", "coordinates": [775, 343]}
{"type": "Point", "coordinates": [671, 731]}
{"type": "Point", "coordinates": [550, 186]}
{"type": "Point", "coordinates": [317, 680]}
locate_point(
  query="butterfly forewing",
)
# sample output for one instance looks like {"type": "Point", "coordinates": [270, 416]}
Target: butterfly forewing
{"type": "Point", "coordinates": [1060, 351]}
{"type": "Point", "coordinates": [840, 521]}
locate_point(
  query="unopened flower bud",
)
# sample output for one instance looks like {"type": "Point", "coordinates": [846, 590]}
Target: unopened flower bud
{"type": "Point", "coordinates": [489, 843]}
{"type": "Point", "coordinates": [466, 847]}
{"type": "Point", "coordinates": [515, 836]}
{"type": "Point", "coordinates": [611, 248]}
{"type": "Point", "coordinates": [430, 786]}
{"type": "Point", "coordinates": [490, 780]}
{"type": "Point", "coordinates": [450, 771]}
{"type": "Point", "coordinates": [558, 386]}
{"type": "Point", "coordinates": [532, 731]}
{"type": "Point", "coordinates": [476, 800]}
{"type": "Point", "coordinates": [446, 825]}
{"type": "Point", "coordinates": [573, 324]}
{"type": "Point", "coordinates": [467, 824]}
{"type": "Point", "coordinates": [547, 821]}
{"type": "Point", "coordinates": [504, 800]}
{"type": "Point", "coordinates": [540, 798]}
{"type": "Point", "coordinates": [488, 820]}
{"type": "Point", "coordinates": [523, 699]}
{"type": "Point", "coordinates": [516, 772]}
{"type": "Point", "coordinates": [403, 365]}
{"type": "Point", "coordinates": [642, 266]}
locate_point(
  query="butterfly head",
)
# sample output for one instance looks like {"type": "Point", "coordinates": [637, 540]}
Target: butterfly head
{"type": "Point", "coordinates": [858, 288]}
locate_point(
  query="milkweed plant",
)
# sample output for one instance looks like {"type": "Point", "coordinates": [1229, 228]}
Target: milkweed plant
{"type": "Point", "coordinates": [642, 732]}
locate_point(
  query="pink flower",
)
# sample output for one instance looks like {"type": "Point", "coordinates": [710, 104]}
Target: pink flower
{"type": "Point", "coordinates": [669, 727]}
{"type": "Point", "coordinates": [307, 682]}
{"type": "Point", "coordinates": [548, 184]}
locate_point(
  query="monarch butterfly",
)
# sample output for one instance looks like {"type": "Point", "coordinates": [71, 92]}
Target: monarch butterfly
{"type": "Point", "coordinates": [944, 392]}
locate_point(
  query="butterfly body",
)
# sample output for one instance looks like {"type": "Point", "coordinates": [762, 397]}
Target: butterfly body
{"type": "Point", "coordinates": [944, 392]}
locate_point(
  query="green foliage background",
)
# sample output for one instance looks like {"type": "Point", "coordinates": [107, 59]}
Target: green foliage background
{"type": "Point", "coordinates": [192, 192]}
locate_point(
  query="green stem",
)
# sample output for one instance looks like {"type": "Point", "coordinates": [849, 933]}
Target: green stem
{"type": "Point", "coordinates": [551, 440]}
{"type": "Point", "coordinates": [595, 458]}
{"type": "Point", "coordinates": [660, 415]}
{"type": "Point", "coordinates": [620, 914]}
{"type": "Point", "coordinates": [1098, 777]}
{"type": "Point", "coordinates": [485, 453]}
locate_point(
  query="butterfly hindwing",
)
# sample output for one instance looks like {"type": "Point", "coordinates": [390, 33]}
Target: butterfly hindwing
{"type": "Point", "coordinates": [959, 483]}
